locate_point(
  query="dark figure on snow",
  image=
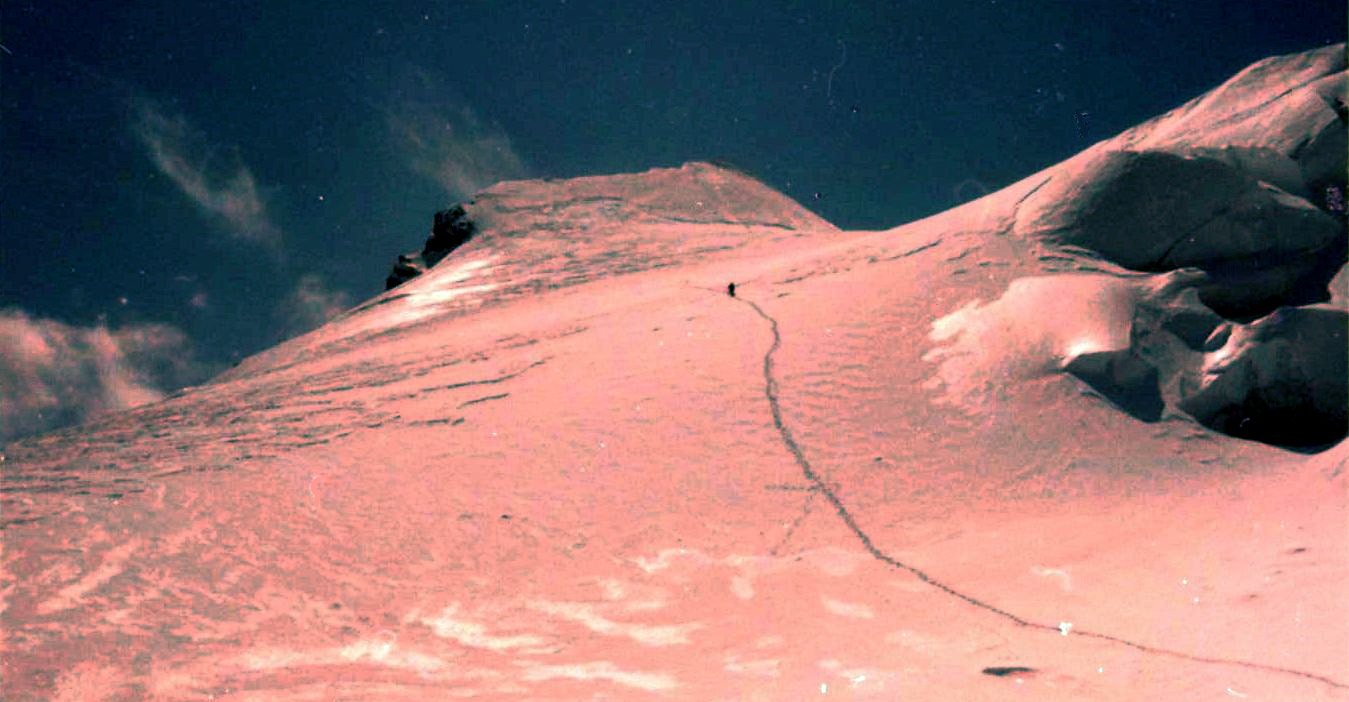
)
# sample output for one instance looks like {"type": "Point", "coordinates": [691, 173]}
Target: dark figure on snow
{"type": "Point", "coordinates": [730, 289]}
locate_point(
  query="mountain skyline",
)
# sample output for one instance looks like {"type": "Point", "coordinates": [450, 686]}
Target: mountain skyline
{"type": "Point", "coordinates": [189, 184]}
{"type": "Point", "coordinates": [1079, 439]}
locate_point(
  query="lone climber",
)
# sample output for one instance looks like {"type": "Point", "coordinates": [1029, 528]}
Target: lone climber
{"type": "Point", "coordinates": [730, 289]}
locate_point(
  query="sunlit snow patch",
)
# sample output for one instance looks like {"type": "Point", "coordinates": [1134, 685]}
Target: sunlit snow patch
{"type": "Point", "coordinates": [766, 667]}
{"type": "Point", "coordinates": [1065, 580]}
{"type": "Point", "coordinates": [451, 624]}
{"type": "Point", "coordinates": [375, 651]}
{"type": "Point", "coordinates": [852, 610]}
{"type": "Point", "coordinates": [423, 297]}
{"type": "Point", "coordinates": [601, 670]}
{"type": "Point", "coordinates": [589, 615]}
{"type": "Point", "coordinates": [1037, 325]}
{"type": "Point", "coordinates": [114, 564]}
{"type": "Point", "coordinates": [832, 561]}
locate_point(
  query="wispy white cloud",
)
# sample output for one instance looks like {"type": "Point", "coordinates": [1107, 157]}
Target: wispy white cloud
{"type": "Point", "coordinates": [445, 140]}
{"type": "Point", "coordinates": [311, 304]}
{"type": "Point", "coordinates": [53, 374]}
{"type": "Point", "coordinates": [221, 185]}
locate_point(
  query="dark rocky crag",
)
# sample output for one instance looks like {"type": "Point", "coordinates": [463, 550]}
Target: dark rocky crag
{"type": "Point", "coordinates": [450, 229]}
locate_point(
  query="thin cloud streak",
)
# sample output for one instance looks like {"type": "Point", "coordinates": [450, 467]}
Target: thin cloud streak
{"type": "Point", "coordinates": [446, 141]}
{"type": "Point", "coordinates": [310, 305]}
{"type": "Point", "coordinates": [180, 152]}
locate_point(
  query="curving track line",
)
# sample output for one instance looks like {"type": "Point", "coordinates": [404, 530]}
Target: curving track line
{"type": "Point", "coordinates": [819, 486]}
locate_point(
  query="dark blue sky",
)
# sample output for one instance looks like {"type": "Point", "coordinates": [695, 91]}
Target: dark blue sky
{"type": "Point", "coordinates": [238, 169]}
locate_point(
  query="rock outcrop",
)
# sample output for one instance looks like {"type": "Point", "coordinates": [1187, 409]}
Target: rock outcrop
{"type": "Point", "coordinates": [450, 229]}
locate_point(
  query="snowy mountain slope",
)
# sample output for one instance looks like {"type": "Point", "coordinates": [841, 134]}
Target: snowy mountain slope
{"type": "Point", "coordinates": [917, 463]}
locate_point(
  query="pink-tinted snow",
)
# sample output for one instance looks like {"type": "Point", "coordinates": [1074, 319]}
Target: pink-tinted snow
{"type": "Point", "coordinates": [865, 476]}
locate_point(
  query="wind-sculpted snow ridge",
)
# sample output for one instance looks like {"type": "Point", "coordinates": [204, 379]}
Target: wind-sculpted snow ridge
{"type": "Point", "coordinates": [1239, 194]}
{"type": "Point", "coordinates": [994, 453]}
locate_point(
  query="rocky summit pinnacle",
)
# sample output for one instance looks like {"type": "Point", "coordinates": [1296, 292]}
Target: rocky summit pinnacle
{"type": "Point", "coordinates": [450, 229]}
